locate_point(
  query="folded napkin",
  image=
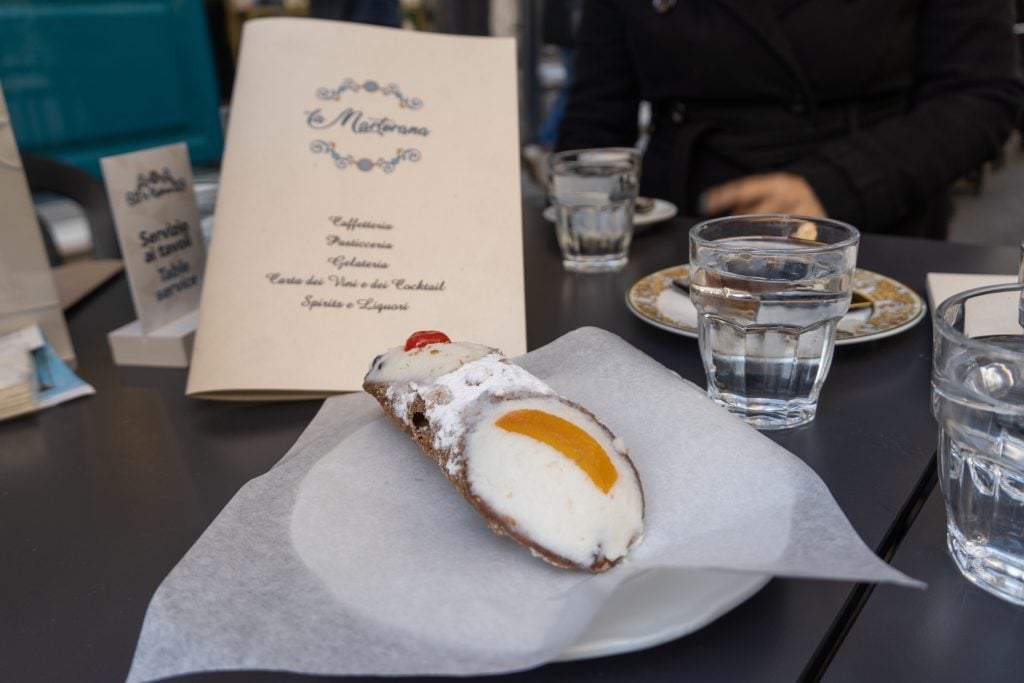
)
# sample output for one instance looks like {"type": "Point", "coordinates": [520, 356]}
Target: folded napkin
{"type": "Point", "coordinates": [941, 286]}
{"type": "Point", "coordinates": [353, 555]}
{"type": "Point", "coordinates": [985, 316]}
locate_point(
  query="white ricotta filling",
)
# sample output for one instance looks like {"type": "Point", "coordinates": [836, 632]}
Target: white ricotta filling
{"type": "Point", "coordinates": [551, 499]}
{"type": "Point", "coordinates": [425, 363]}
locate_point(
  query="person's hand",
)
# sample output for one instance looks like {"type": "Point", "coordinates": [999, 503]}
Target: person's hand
{"type": "Point", "coordinates": [764, 193]}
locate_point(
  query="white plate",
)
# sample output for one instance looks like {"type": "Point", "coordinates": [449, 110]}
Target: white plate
{"type": "Point", "coordinates": [894, 306]}
{"type": "Point", "coordinates": [661, 211]}
{"type": "Point", "coordinates": [661, 605]}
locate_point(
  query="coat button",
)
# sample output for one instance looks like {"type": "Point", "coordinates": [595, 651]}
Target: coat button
{"type": "Point", "coordinates": [797, 105]}
{"type": "Point", "coordinates": [678, 114]}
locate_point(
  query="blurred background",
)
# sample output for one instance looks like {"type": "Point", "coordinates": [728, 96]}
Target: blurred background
{"type": "Point", "coordinates": [85, 79]}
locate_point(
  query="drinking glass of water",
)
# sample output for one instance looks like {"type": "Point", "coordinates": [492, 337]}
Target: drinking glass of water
{"type": "Point", "coordinates": [593, 192]}
{"type": "Point", "coordinates": [770, 291]}
{"type": "Point", "coordinates": [1020, 278]}
{"type": "Point", "coordinates": [978, 401]}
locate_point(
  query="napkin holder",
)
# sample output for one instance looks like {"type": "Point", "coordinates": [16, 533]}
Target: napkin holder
{"type": "Point", "coordinates": [27, 292]}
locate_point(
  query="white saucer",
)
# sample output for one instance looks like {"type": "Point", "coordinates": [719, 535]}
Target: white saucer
{"type": "Point", "coordinates": [661, 211]}
{"type": "Point", "coordinates": [661, 605]}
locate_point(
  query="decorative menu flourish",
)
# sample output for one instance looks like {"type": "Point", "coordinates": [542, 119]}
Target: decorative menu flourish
{"type": "Point", "coordinates": [356, 121]}
{"type": "Point", "coordinates": [359, 204]}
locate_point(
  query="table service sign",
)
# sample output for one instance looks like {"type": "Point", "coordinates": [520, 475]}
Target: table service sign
{"type": "Point", "coordinates": [353, 555]}
{"type": "Point", "coordinates": [770, 291]}
{"type": "Point", "coordinates": [370, 188]}
{"type": "Point", "coordinates": [27, 292]}
{"type": "Point", "coordinates": [164, 255]}
{"type": "Point", "coordinates": [978, 402]}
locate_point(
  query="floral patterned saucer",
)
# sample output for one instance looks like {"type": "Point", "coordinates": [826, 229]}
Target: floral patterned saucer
{"type": "Point", "coordinates": [894, 306]}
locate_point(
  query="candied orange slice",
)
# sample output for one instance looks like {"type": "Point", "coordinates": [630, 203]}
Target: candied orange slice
{"type": "Point", "coordinates": [566, 438]}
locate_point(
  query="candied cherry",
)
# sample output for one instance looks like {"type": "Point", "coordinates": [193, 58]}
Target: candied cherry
{"type": "Point", "coordinates": [424, 337]}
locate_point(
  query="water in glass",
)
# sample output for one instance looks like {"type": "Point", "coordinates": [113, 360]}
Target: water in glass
{"type": "Point", "coordinates": [593, 192]}
{"type": "Point", "coordinates": [594, 231]}
{"type": "Point", "coordinates": [978, 401]}
{"type": "Point", "coordinates": [768, 327]}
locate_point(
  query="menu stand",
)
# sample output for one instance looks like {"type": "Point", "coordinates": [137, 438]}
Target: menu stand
{"type": "Point", "coordinates": [169, 346]}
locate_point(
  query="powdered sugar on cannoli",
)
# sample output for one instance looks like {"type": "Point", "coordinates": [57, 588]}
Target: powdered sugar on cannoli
{"type": "Point", "coordinates": [491, 376]}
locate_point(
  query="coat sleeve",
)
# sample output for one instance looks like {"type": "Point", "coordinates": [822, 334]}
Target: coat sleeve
{"type": "Point", "coordinates": [605, 95]}
{"type": "Point", "coordinates": [965, 102]}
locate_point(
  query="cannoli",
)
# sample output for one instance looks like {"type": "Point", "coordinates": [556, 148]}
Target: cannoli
{"type": "Point", "coordinates": [538, 467]}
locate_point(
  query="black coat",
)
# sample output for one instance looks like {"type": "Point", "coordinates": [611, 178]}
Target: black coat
{"type": "Point", "coordinates": [879, 104]}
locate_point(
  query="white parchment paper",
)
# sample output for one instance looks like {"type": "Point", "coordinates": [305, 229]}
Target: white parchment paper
{"type": "Point", "coordinates": [354, 555]}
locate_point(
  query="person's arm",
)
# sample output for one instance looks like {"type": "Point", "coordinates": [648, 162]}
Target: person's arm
{"type": "Point", "coordinates": [966, 100]}
{"type": "Point", "coordinates": [602, 108]}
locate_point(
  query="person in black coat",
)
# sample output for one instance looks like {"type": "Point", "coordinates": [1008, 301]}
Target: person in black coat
{"type": "Point", "coordinates": [861, 110]}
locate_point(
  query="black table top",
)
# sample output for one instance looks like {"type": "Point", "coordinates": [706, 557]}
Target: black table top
{"type": "Point", "coordinates": [954, 631]}
{"type": "Point", "coordinates": [100, 497]}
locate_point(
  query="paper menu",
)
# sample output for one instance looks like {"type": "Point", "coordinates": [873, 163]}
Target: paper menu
{"type": "Point", "coordinates": [27, 292]}
{"type": "Point", "coordinates": [370, 188]}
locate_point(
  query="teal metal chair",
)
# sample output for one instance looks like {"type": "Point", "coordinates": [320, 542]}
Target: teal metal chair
{"type": "Point", "coordinates": [86, 79]}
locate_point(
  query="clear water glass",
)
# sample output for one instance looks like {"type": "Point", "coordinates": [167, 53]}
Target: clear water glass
{"type": "Point", "coordinates": [770, 291]}
{"type": "Point", "coordinates": [978, 402]}
{"type": "Point", "coordinates": [1020, 267]}
{"type": "Point", "coordinates": [593, 192]}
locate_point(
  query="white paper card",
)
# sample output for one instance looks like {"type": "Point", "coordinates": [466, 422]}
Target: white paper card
{"type": "Point", "coordinates": [369, 188]}
{"type": "Point", "coordinates": [27, 292]}
{"type": "Point", "coordinates": [157, 223]}
{"type": "Point", "coordinates": [993, 315]}
{"type": "Point", "coordinates": [983, 317]}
